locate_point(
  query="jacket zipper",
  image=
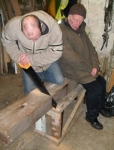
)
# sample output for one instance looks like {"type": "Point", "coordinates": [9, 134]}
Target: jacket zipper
{"type": "Point", "coordinates": [33, 47]}
{"type": "Point", "coordinates": [33, 53]}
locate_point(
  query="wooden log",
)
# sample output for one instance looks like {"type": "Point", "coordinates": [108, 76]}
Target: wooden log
{"type": "Point", "coordinates": [23, 113]}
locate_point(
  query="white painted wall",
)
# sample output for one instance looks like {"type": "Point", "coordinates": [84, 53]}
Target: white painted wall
{"type": "Point", "coordinates": [95, 24]}
{"type": "Point", "coordinates": [95, 29]}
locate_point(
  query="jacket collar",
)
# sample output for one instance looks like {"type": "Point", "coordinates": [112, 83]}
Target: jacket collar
{"type": "Point", "coordinates": [67, 24]}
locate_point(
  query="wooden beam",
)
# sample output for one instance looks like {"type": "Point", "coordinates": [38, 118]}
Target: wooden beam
{"type": "Point", "coordinates": [9, 8]}
{"type": "Point", "coordinates": [111, 81]}
{"type": "Point", "coordinates": [103, 69]}
{"type": "Point", "coordinates": [60, 124]}
{"type": "Point", "coordinates": [4, 10]}
{"type": "Point", "coordinates": [22, 114]}
{"type": "Point", "coordinates": [18, 117]}
{"type": "Point", "coordinates": [68, 99]}
{"type": "Point", "coordinates": [16, 7]}
{"type": "Point", "coordinates": [56, 125]}
{"type": "Point", "coordinates": [73, 112]}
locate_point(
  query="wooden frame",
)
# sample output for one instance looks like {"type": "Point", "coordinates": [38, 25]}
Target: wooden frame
{"type": "Point", "coordinates": [58, 130]}
{"type": "Point", "coordinates": [23, 113]}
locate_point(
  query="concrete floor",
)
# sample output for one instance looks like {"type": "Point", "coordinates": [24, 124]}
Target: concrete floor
{"type": "Point", "coordinates": [80, 137]}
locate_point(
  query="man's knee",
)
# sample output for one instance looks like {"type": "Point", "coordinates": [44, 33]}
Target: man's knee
{"type": "Point", "coordinates": [101, 80]}
{"type": "Point", "coordinates": [60, 80]}
{"type": "Point", "coordinates": [93, 89]}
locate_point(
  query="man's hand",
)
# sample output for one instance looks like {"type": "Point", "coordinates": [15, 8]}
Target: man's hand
{"type": "Point", "coordinates": [94, 72]}
{"type": "Point", "coordinates": [23, 59]}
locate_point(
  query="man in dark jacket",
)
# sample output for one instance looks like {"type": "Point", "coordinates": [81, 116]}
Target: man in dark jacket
{"type": "Point", "coordinates": [80, 63]}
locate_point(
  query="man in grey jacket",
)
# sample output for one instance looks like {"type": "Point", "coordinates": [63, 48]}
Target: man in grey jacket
{"type": "Point", "coordinates": [79, 62]}
{"type": "Point", "coordinates": [35, 39]}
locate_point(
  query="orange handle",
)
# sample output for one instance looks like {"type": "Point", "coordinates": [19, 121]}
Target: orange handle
{"type": "Point", "coordinates": [25, 67]}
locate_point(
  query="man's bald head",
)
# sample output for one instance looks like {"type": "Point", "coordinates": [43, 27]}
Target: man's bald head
{"type": "Point", "coordinates": [31, 27]}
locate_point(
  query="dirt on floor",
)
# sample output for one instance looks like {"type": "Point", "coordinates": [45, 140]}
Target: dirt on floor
{"type": "Point", "coordinates": [11, 89]}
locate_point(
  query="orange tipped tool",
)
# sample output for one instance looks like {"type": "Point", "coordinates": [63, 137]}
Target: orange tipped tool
{"type": "Point", "coordinates": [25, 67]}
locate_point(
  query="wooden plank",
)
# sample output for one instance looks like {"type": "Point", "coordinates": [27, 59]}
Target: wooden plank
{"type": "Point", "coordinates": [22, 114]}
{"type": "Point", "coordinates": [47, 137]}
{"type": "Point", "coordinates": [103, 70]}
{"type": "Point", "coordinates": [73, 111]}
{"type": "Point", "coordinates": [55, 140]}
{"type": "Point", "coordinates": [6, 59]}
{"type": "Point", "coordinates": [1, 59]}
{"type": "Point", "coordinates": [56, 127]}
{"type": "Point", "coordinates": [18, 117]}
{"type": "Point", "coordinates": [16, 7]}
{"type": "Point", "coordinates": [104, 66]}
{"type": "Point", "coordinates": [68, 99]}
{"type": "Point", "coordinates": [111, 81]}
{"type": "Point", "coordinates": [9, 9]}
{"type": "Point", "coordinates": [4, 56]}
{"type": "Point", "coordinates": [4, 10]}
{"type": "Point", "coordinates": [32, 4]}
{"type": "Point", "coordinates": [71, 86]}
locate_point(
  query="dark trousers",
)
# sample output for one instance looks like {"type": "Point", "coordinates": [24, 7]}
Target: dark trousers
{"type": "Point", "coordinates": [95, 97]}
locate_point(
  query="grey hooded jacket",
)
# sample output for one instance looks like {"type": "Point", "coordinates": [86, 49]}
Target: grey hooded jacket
{"type": "Point", "coordinates": [47, 49]}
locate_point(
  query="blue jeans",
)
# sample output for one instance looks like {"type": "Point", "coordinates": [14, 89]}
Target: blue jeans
{"type": "Point", "coordinates": [53, 74]}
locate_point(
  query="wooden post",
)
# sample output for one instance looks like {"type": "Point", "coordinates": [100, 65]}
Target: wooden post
{"type": "Point", "coordinates": [73, 112]}
{"type": "Point", "coordinates": [58, 128]}
{"type": "Point", "coordinates": [9, 9]}
{"type": "Point", "coordinates": [4, 10]}
{"type": "Point", "coordinates": [111, 81]}
{"type": "Point", "coordinates": [56, 125]}
{"type": "Point", "coordinates": [16, 7]}
{"type": "Point", "coordinates": [102, 73]}
{"type": "Point", "coordinates": [104, 66]}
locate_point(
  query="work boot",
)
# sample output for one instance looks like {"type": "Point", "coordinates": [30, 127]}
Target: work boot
{"type": "Point", "coordinates": [105, 112]}
{"type": "Point", "coordinates": [95, 123]}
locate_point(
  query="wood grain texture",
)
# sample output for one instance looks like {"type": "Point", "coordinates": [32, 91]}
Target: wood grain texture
{"type": "Point", "coordinates": [23, 113]}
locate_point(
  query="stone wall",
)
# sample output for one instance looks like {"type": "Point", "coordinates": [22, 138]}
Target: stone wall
{"type": "Point", "coordinates": [95, 29]}
{"type": "Point", "coordinates": [95, 24]}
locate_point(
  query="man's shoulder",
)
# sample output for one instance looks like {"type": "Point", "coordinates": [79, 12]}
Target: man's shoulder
{"type": "Point", "coordinates": [63, 26]}
{"type": "Point", "coordinates": [14, 22]}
